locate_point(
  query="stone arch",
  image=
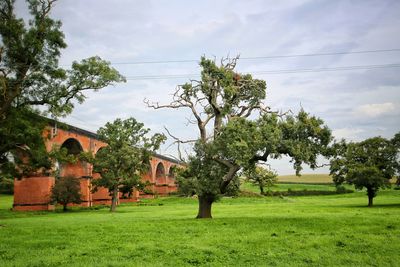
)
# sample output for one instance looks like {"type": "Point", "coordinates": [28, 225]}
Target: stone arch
{"type": "Point", "coordinates": [160, 173]}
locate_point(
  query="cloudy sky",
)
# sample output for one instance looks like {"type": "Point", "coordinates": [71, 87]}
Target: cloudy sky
{"type": "Point", "coordinates": [357, 93]}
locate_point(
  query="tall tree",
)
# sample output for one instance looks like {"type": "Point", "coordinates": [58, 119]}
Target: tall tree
{"type": "Point", "coordinates": [368, 164]}
{"type": "Point", "coordinates": [126, 158]}
{"type": "Point", "coordinates": [30, 76]}
{"type": "Point", "coordinates": [226, 102]}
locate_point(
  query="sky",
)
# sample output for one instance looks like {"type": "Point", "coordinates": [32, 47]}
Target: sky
{"type": "Point", "coordinates": [356, 102]}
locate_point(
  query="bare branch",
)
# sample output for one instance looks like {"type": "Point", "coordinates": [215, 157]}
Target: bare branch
{"type": "Point", "coordinates": [156, 105]}
{"type": "Point", "coordinates": [177, 140]}
{"type": "Point", "coordinates": [189, 121]}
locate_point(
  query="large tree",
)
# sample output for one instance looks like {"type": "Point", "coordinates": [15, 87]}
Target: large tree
{"type": "Point", "coordinates": [236, 130]}
{"type": "Point", "coordinates": [126, 157]}
{"type": "Point", "coordinates": [30, 76]}
{"type": "Point", "coordinates": [369, 164]}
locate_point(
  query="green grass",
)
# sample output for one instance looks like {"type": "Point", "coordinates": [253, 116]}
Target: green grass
{"type": "Point", "coordinates": [284, 187]}
{"type": "Point", "coordinates": [334, 230]}
{"type": "Point", "coordinates": [306, 178]}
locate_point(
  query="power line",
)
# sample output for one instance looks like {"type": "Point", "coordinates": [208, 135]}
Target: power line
{"type": "Point", "coordinates": [261, 57]}
{"type": "Point", "coordinates": [250, 58]}
{"type": "Point", "coordinates": [272, 72]}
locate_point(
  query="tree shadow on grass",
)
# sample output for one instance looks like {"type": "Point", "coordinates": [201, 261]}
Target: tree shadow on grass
{"type": "Point", "coordinates": [386, 206]}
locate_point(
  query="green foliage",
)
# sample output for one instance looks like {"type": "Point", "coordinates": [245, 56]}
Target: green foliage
{"type": "Point", "coordinates": [201, 176]}
{"type": "Point", "coordinates": [262, 178]}
{"type": "Point", "coordinates": [6, 185]}
{"type": "Point", "coordinates": [30, 76]}
{"type": "Point", "coordinates": [66, 190]}
{"type": "Point", "coordinates": [233, 189]}
{"type": "Point", "coordinates": [369, 164]}
{"type": "Point", "coordinates": [22, 144]}
{"type": "Point", "coordinates": [126, 158]}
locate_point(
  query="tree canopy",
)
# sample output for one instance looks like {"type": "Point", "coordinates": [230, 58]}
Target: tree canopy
{"type": "Point", "coordinates": [368, 164]}
{"type": "Point", "coordinates": [126, 157]}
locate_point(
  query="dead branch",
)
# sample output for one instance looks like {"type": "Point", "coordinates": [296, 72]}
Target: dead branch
{"type": "Point", "coordinates": [178, 140]}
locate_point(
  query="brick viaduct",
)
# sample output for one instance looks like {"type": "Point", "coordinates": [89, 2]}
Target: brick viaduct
{"type": "Point", "coordinates": [33, 193]}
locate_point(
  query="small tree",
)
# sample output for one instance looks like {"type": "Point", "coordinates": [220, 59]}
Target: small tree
{"type": "Point", "coordinates": [127, 156]}
{"type": "Point", "coordinates": [369, 164]}
{"type": "Point", "coordinates": [66, 190]}
{"type": "Point", "coordinates": [262, 178]}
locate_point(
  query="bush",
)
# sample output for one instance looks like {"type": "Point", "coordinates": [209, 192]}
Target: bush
{"type": "Point", "coordinates": [6, 185]}
{"type": "Point", "coordinates": [340, 189]}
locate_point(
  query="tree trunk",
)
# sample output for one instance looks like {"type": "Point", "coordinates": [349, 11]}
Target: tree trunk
{"type": "Point", "coordinates": [204, 207]}
{"type": "Point", "coordinates": [65, 207]}
{"type": "Point", "coordinates": [371, 195]}
{"type": "Point", "coordinates": [114, 200]}
{"type": "Point", "coordinates": [370, 201]}
{"type": "Point", "coordinates": [261, 189]}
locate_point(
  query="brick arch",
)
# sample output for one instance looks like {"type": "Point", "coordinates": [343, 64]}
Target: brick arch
{"type": "Point", "coordinates": [160, 173]}
{"type": "Point", "coordinates": [78, 169]}
{"type": "Point", "coordinates": [97, 149]}
{"type": "Point", "coordinates": [73, 146]}
{"type": "Point", "coordinates": [170, 174]}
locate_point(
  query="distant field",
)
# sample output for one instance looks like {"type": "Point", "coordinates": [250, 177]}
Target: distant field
{"type": "Point", "coordinates": [306, 178]}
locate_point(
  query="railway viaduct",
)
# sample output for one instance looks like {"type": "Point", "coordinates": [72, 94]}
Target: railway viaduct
{"type": "Point", "coordinates": [33, 193]}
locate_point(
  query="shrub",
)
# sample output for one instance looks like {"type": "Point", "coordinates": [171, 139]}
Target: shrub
{"type": "Point", "coordinates": [66, 190]}
{"type": "Point", "coordinates": [6, 185]}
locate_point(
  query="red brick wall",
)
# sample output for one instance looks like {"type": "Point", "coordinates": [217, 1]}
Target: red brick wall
{"type": "Point", "coordinates": [33, 193]}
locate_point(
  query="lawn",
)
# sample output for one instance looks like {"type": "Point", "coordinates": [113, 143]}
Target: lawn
{"type": "Point", "coordinates": [330, 230]}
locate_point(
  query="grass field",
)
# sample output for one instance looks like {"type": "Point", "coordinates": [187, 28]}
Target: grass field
{"type": "Point", "coordinates": [284, 187]}
{"type": "Point", "coordinates": [269, 231]}
{"type": "Point", "coordinates": [310, 182]}
{"type": "Point", "coordinates": [306, 179]}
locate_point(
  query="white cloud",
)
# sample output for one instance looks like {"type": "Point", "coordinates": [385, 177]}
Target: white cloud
{"type": "Point", "coordinates": [375, 110]}
{"type": "Point", "coordinates": [350, 134]}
